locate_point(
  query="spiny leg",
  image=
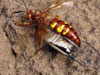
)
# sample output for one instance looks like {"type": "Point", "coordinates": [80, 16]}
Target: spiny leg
{"type": "Point", "coordinates": [40, 47]}
{"type": "Point", "coordinates": [40, 36]}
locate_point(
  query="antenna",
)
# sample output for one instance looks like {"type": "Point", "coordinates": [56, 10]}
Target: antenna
{"type": "Point", "coordinates": [25, 5]}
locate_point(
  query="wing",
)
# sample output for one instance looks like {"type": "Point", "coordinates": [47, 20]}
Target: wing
{"type": "Point", "coordinates": [60, 4]}
{"type": "Point", "coordinates": [85, 55]}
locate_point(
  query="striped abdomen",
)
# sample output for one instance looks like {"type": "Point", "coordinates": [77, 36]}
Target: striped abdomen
{"type": "Point", "coordinates": [65, 29]}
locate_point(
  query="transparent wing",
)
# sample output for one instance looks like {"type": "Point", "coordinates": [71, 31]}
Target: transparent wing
{"type": "Point", "coordinates": [60, 4]}
{"type": "Point", "coordinates": [85, 55]}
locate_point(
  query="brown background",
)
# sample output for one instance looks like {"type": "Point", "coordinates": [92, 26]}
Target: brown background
{"type": "Point", "coordinates": [17, 43]}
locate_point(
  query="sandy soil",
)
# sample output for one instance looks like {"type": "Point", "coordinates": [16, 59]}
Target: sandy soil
{"type": "Point", "coordinates": [17, 43]}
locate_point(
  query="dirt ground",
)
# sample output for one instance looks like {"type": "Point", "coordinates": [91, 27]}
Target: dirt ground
{"type": "Point", "coordinates": [17, 43]}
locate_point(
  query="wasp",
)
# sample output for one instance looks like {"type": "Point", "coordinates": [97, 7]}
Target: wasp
{"type": "Point", "coordinates": [58, 33]}
{"type": "Point", "coordinates": [42, 20]}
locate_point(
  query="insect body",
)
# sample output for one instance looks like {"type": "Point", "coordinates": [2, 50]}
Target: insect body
{"type": "Point", "coordinates": [65, 29]}
{"type": "Point", "coordinates": [58, 25]}
{"type": "Point", "coordinates": [43, 22]}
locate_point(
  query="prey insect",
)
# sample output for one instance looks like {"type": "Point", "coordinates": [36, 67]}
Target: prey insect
{"type": "Point", "coordinates": [59, 34]}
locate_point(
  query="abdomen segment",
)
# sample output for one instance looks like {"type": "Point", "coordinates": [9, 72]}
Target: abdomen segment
{"type": "Point", "coordinates": [65, 29]}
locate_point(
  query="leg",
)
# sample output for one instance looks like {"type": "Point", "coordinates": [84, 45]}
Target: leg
{"type": "Point", "coordinates": [21, 23]}
{"type": "Point", "coordinates": [41, 46]}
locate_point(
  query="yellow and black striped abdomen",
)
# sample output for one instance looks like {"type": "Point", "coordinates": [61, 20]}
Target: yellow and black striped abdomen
{"type": "Point", "coordinates": [65, 29]}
